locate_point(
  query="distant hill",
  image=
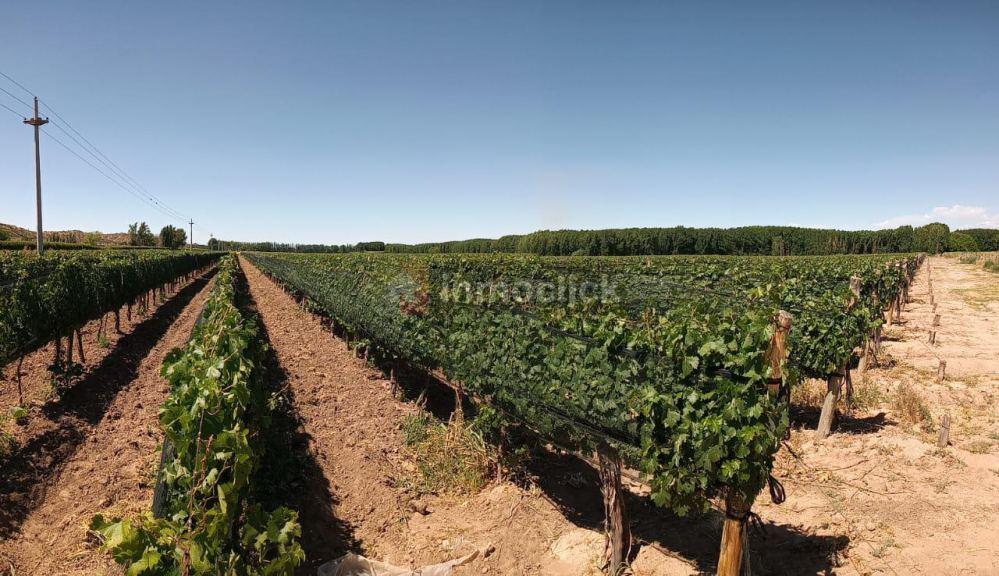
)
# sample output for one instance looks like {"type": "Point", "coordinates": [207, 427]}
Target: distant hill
{"type": "Point", "coordinates": [11, 232]}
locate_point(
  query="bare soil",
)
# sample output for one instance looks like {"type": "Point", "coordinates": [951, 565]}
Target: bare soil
{"type": "Point", "coordinates": [95, 448]}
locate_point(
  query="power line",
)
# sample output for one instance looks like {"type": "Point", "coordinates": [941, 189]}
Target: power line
{"type": "Point", "coordinates": [117, 175]}
{"type": "Point", "coordinates": [5, 91]}
{"type": "Point", "coordinates": [173, 213]}
{"type": "Point", "coordinates": [111, 165]}
{"type": "Point", "coordinates": [16, 83]}
{"type": "Point", "coordinates": [105, 174]}
{"type": "Point", "coordinates": [14, 112]}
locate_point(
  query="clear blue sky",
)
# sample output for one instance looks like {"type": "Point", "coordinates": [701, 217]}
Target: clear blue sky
{"type": "Point", "coordinates": [419, 121]}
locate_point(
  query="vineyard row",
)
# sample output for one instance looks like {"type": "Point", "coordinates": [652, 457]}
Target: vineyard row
{"type": "Point", "coordinates": [679, 366]}
{"type": "Point", "coordinates": [206, 521]}
{"type": "Point", "coordinates": [49, 297]}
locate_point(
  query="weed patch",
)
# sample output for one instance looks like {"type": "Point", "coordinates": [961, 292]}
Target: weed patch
{"type": "Point", "coordinates": [451, 458]}
{"type": "Point", "coordinates": [908, 403]}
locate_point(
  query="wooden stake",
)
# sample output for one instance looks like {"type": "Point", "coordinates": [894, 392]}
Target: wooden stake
{"type": "Point", "coordinates": [864, 359]}
{"type": "Point", "coordinates": [79, 345]}
{"type": "Point", "coordinates": [936, 320]}
{"type": "Point", "coordinates": [616, 526]}
{"type": "Point", "coordinates": [459, 407]}
{"type": "Point", "coordinates": [734, 551]}
{"type": "Point", "coordinates": [834, 385]}
{"type": "Point", "coordinates": [777, 353]}
{"type": "Point", "coordinates": [396, 392]}
{"type": "Point", "coordinates": [848, 381]}
{"type": "Point", "coordinates": [942, 371]}
{"type": "Point", "coordinates": [20, 390]}
{"type": "Point", "coordinates": [944, 439]}
{"type": "Point", "coordinates": [933, 337]}
{"type": "Point", "coordinates": [855, 291]}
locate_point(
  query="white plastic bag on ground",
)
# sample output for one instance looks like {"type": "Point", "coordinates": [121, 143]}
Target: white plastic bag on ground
{"type": "Point", "coordinates": [355, 565]}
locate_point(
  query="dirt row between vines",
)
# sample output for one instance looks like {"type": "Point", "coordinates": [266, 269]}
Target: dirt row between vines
{"type": "Point", "coordinates": [96, 448]}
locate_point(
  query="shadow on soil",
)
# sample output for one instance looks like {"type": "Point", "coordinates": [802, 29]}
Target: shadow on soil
{"type": "Point", "coordinates": [807, 417]}
{"type": "Point", "coordinates": [574, 487]}
{"type": "Point", "coordinates": [79, 409]}
{"type": "Point", "coordinates": [290, 476]}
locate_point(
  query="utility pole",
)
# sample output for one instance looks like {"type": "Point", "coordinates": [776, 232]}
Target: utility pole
{"type": "Point", "coordinates": [37, 122]}
{"type": "Point", "coordinates": [191, 245]}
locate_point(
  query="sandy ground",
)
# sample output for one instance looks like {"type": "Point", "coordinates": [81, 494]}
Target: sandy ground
{"type": "Point", "coordinates": [93, 450]}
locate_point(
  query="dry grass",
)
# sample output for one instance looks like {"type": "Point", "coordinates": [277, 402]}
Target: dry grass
{"type": "Point", "coordinates": [883, 548]}
{"type": "Point", "coordinates": [910, 406]}
{"type": "Point", "coordinates": [979, 447]}
{"type": "Point", "coordinates": [810, 393]}
{"type": "Point", "coordinates": [867, 395]}
{"type": "Point", "coordinates": [7, 441]}
{"type": "Point", "coordinates": [451, 458]}
{"type": "Point", "coordinates": [980, 297]}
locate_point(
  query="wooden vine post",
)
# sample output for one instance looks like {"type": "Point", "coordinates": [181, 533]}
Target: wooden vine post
{"type": "Point", "coordinates": [875, 343]}
{"type": "Point", "coordinates": [944, 438]}
{"type": "Point", "coordinates": [777, 353]}
{"type": "Point", "coordinates": [834, 386]}
{"type": "Point", "coordinates": [868, 352]}
{"type": "Point", "coordinates": [834, 382]}
{"type": "Point", "coordinates": [734, 548]}
{"type": "Point", "coordinates": [900, 299]}
{"type": "Point", "coordinates": [733, 555]}
{"type": "Point", "coordinates": [889, 310]}
{"type": "Point", "coordinates": [79, 344]}
{"type": "Point", "coordinates": [617, 529]}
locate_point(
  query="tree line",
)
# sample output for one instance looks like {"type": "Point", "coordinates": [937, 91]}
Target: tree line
{"type": "Point", "coordinates": [216, 244]}
{"type": "Point", "coordinates": [748, 240]}
{"type": "Point", "coordinates": [139, 234]}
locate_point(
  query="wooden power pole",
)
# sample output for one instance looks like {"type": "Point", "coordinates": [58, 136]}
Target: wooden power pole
{"type": "Point", "coordinates": [191, 244]}
{"type": "Point", "coordinates": [38, 122]}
